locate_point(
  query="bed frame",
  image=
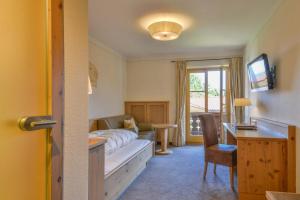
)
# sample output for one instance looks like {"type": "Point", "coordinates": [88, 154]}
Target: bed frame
{"type": "Point", "coordinates": [117, 181]}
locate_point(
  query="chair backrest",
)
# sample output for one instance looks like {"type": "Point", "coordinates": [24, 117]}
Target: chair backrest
{"type": "Point", "coordinates": [209, 129]}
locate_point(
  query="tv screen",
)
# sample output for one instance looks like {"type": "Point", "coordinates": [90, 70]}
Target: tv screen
{"type": "Point", "coordinates": [260, 76]}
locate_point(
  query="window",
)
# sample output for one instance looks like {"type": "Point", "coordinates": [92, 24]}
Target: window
{"type": "Point", "coordinates": [207, 93]}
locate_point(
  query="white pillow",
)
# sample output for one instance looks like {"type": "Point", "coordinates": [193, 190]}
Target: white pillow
{"type": "Point", "coordinates": [116, 138]}
{"type": "Point", "coordinates": [130, 124]}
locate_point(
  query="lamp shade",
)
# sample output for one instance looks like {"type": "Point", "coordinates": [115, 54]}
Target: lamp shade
{"type": "Point", "coordinates": [165, 30]}
{"type": "Point", "coordinates": [242, 102]}
{"type": "Point", "coordinates": [90, 89]}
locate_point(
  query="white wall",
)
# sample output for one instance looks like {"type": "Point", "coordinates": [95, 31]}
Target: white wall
{"type": "Point", "coordinates": [75, 171]}
{"type": "Point", "coordinates": [280, 39]}
{"type": "Point", "coordinates": [152, 81]}
{"type": "Point", "coordinates": [155, 79]}
{"type": "Point", "coordinates": [108, 98]}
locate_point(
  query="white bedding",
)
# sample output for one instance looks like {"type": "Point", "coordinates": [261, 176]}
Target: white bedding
{"type": "Point", "coordinates": [115, 138]}
{"type": "Point", "coordinates": [121, 155]}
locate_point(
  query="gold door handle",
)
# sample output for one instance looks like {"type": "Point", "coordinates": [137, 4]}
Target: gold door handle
{"type": "Point", "coordinates": [42, 123]}
{"type": "Point", "coordinates": [36, 123]}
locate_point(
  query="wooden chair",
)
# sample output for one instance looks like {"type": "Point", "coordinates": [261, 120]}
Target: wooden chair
{"type": "Point", "coordinates": [216, 153]}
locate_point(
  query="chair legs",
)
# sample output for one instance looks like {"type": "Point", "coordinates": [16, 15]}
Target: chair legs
{"type": "Point", "coordinates": [205, 170]}
{"type": "Point", "coordinates": [231, 171]}
{"type": "Point", "coordinates": [215, 168]}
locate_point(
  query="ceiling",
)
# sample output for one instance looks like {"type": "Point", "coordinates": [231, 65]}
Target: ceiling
{"type": "Point", "coordinates": [213, 27]}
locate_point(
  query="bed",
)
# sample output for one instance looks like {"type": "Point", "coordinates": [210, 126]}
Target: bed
{"type": "Point", "coordinates": [126, 157]}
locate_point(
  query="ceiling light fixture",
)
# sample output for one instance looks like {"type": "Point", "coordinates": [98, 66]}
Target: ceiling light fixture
{"type": "Point", "coordinates": [165, 30]}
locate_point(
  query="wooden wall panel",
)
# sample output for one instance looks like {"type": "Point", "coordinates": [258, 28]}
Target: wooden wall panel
{"type": "Point", "coordinates": [157, 113]}
{"type": "Point", "coordinates": [148, 111]}
{"type": "Point", "coordinates": [93, 125]}
{"type": "Point", "coordinates": [138, 111]}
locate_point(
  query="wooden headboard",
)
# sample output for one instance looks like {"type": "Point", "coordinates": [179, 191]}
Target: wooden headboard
{"type": "Point", "coordinates": [93, 125]}
{"type": "Point", "coordinates": [290, 132]}
{"type": "Point", "coordinates": [148, 111]}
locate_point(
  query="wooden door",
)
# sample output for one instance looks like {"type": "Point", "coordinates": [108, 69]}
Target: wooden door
{"type": "Point", "coordinates": [25, 90]}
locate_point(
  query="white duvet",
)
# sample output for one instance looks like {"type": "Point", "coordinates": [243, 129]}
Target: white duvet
{"type": "Point", "coordinates": [116, 138]}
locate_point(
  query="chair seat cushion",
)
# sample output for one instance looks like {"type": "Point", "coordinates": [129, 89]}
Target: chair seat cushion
{"type": "Point", "coordinates": [221, 154]}
{"type": "Point", "coordinates": [224, 148]}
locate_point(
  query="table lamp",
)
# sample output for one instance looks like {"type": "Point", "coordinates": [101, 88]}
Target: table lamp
{"type": "Point", "coordinates": [90, 89]}
{"type": "Point", "coordinates": [242, 102]}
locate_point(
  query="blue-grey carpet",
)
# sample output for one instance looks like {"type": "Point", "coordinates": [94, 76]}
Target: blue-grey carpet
{"type": "Point", "coordinates": [179, 177]}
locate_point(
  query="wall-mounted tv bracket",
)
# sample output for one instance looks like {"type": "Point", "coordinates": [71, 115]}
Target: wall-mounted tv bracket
{"type": "Point", "coordinates": [273, 74]}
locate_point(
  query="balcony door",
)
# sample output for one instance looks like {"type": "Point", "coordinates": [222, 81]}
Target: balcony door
{"type": "Point", "coordinates": [207, 93]}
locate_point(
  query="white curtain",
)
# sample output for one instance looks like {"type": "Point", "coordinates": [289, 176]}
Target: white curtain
{"type": "Point", "coordinates": [236, 88]}
{"type": "Point", "coordinates": [181, 78]}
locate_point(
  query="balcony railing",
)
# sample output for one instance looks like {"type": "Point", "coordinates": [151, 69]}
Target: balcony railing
{"type": "Point", "coordinates": [195, 125]}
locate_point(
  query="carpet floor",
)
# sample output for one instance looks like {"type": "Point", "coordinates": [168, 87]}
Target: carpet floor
{"type": "Point", "coordinates": [179, 177]}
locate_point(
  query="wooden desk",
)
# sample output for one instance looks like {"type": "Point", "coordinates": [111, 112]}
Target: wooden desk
{"type": "Point", "coordinates": [282, 196]}
{"type": "Point", "coordinates": [232, 134]}
{"type": "Point", "coordinates": [264, 159]}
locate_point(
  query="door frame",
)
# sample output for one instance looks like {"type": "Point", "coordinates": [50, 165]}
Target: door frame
{"type": "Point", "coordinates": [199, 139]}
{"type": "Point", "coordinates": [56, 50]}
{"type": "Point", "coordinates": [189, 138]}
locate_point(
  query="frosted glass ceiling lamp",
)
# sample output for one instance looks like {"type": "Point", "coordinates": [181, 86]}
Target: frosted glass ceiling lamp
{"type": "Point", "coordinates": [165, 30]}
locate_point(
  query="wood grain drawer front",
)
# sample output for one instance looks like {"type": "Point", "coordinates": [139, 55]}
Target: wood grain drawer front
{"type": "Point", "coordinates": [96, 173]}
{"type": "Point", "coordinates": [262, 166]}
{"type": "Point", "coordinates": [117, 182]}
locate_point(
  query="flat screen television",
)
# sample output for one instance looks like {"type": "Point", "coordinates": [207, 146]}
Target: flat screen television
{"type": "Point", "coordinates": [260, 75]}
